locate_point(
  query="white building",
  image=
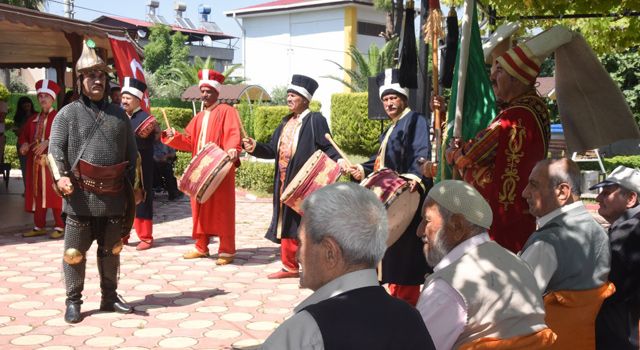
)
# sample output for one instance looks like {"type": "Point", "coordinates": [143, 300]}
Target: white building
{"type": "Point", "coordinates": [286, 37]}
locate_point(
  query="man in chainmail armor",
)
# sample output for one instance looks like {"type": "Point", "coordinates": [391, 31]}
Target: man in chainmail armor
{"type": "Point", "coordinates": [92, 154]}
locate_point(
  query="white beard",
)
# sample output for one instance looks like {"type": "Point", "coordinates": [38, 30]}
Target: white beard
{"type": "Point", "coordinates": [437, 249]}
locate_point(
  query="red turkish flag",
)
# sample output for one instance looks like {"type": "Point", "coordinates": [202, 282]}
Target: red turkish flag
{"type": "Point", "coordinates": [129, 64]}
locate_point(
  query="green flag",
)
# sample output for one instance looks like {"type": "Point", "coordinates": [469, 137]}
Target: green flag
{"type": "Point", "coordinates": [477, 102]}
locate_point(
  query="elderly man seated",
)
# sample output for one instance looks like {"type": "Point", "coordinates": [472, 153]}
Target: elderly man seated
{"type": "Point", "coordinates": [343, 237]}
{"type": "Point", "coordinates": [617, 322]}
{"type": "Point", "coordinates": [480, 295]}
{"type": "Point", "coordinates": [568, 253]}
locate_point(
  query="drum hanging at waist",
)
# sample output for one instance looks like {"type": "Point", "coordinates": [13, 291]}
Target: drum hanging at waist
{"type": "Point", "coordinates": [205, 173]}
{"type": "Point", "coordinates": [393, 192]}
{"type": "Point", "coordinates": [318, 171]}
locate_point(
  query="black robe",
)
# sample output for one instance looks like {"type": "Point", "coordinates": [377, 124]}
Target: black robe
{"type": "Point", "coordinates": [144, 210]}
{"type": "Point", "coordinates": [310, 139]}
{"type": "Point", "coordinates": [404, 262]}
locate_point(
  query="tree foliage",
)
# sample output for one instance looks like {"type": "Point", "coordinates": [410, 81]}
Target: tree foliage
{"type": "Point", "coordinates": [624, 68]}
{"type": "Point", "coordinates": [367, 65]}
{"type": "Point", "coordinates": [604, 34]}
{"type": "Point", "coordinates": [30, 4]}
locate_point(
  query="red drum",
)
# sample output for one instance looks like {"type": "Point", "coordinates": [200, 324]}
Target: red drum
{"type": "Point", "coordinates": [394, 193]}
{"type": "Point", "coordinates": [146, 127]}
{"type": "Point", "coordinates": [205, 173]}
{"type": "Point", "coordinates": [317, 172]}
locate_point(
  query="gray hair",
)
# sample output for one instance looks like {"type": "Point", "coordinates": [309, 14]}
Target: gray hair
{"type": "Point", "coordinates": [567, 171]}
{"type": "Point", "coordinates": [353, 216]}
{"type": "Point", "coordinates": [627, 192]}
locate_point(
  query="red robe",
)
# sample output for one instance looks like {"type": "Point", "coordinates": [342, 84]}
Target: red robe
{"type": "Point", "coordinates": [215, 217]}
{"type": "Point", "coordinates": [498, 161]}
{"type": "Point", "coordinates": [38, 181]}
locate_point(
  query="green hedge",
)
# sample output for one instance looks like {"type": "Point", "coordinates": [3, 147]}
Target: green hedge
{"type": "Point", "coordinates": [352, 130]}
{"type": "Point", "coordinates": [246, 116]}
{"type": "Point", "coordinates": [612, 163]}
{"type": "Point", "coordinates": [178, 117]}
{"type": "Point", "coordinates": [11, 156]}
{"type": "Point", "coordinates": [253, 176]}
{"type": "Point", "coordinates": [182, 161]}
{"type": "Point", "coordinates": [267, 118]}
{"type": "Point", "coordinates": [170, 102]}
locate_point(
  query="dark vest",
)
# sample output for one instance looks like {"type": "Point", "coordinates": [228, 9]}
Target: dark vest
{"type": "Point", "coordinates": [369, 318]}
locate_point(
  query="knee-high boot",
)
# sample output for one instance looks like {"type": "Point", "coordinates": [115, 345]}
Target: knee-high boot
{"type": "Point", "coordinates": [108, 264]}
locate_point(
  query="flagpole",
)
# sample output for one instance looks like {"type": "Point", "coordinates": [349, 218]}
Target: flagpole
{"type": "Point", "coordinates": [465, 41]}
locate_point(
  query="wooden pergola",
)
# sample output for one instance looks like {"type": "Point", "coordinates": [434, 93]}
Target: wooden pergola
{"type": "Point", "coordinates": [33, 39]}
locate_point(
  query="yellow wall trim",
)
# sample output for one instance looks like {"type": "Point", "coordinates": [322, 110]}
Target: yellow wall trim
{"type": "Point", "coordinates": [350, 35]}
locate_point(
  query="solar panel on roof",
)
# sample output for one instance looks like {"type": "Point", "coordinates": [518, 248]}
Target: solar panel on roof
{"type": "Point", "coordinates": [162, 20]}
{"type": "Point", "coordinates": [182, 23]}
{"type": "Point", "coordinates": [190, 24]}
{"type": "Point", "coordinates": [211, 27]}
{"type": "Point", "coordinates": [153, 18]}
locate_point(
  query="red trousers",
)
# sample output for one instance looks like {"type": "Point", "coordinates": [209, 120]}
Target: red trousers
{"type": "Point", "coordinates": [144, 229]}
{"type": "Point", "coordinates": [410, 294]}
{"type": "Point", "coordinates": [40, 217]}
{"type": "Point", "coordinates": [227, 245]}
{"type": "Point", "coordinates": [288, 251]}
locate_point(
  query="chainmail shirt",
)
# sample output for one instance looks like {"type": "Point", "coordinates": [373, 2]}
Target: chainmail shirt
{"type": "Point", "coordinates": [112, 143]}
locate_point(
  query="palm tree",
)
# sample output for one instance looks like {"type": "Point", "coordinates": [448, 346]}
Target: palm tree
{"type": "Point", "coordinates": [30, 4]}
{"type": "Point", "coordinates": [375, 61]}
{"type": "Point", "coordinates": [186, 74]}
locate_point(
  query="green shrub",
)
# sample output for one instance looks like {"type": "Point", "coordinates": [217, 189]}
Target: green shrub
{"type": "Point", "coordinates": [255, 176]}
{"type": "Point", "coordinates": [4, 93]}
{"type": "Point", "coordinates": [178, 117]}
{"type": "Point", "coordinates": [628, 161]}
{"type": "Point", "coordinates": [245, 111]}
{"type": "Point", "coordinates": [351, 128]}
{"type": "Point", "coordinates": [267, 118]}
{"type": "Point", "coordinates": [612, 163]}
{"type": "Point", "coordinates": [182, 161]}
{"type": "Point", "coordinates": [171, 102]}
{"type": "Point", "coordinates": [11, 156]}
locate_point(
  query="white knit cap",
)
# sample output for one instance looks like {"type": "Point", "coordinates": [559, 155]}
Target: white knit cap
{"type": "Point", "coordinates": [461, 198]}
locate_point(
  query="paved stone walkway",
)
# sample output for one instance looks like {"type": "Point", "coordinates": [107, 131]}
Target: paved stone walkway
{"type": "Point", "coordinates": [185, 304]}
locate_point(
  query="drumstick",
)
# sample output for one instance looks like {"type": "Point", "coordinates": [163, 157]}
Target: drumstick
{"type": "Point", "coordinates": [166, 120]}
{"type": "Point", "coordinates": [242, 130]}
{"type": "Point", "coordinates": [330, 139]}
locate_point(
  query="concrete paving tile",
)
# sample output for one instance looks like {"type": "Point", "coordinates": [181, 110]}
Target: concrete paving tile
{"type": "Point", "coordinates": [23, 305]}
{"type": "Point", "coordinates": [177, 342]}
{"type": "Point", "coordinates": [223, 334]}
{"type": "Point", "coordinates": [104, 342]}
{"type": "Point", "coordinates": [219, 307]}
{"type": "Point", "coordinates": [11, 297]}
{"type": "Point", "coordinates": [56, 347]}
{"type": "Point", "coordinates": [17, 329]}
{"type": "Point", "coordinates": [236, 316]}
{"type": "Point", "coordinates": [31, 339]}
{"type": "Point", "coordinates": [152, 332]}
{"type": "Point", "coordinates": [81, 331]}
{"type": "Point", "coordinates": [43, 313]}
{"type": "Point", "coordinates": [130, 323]}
